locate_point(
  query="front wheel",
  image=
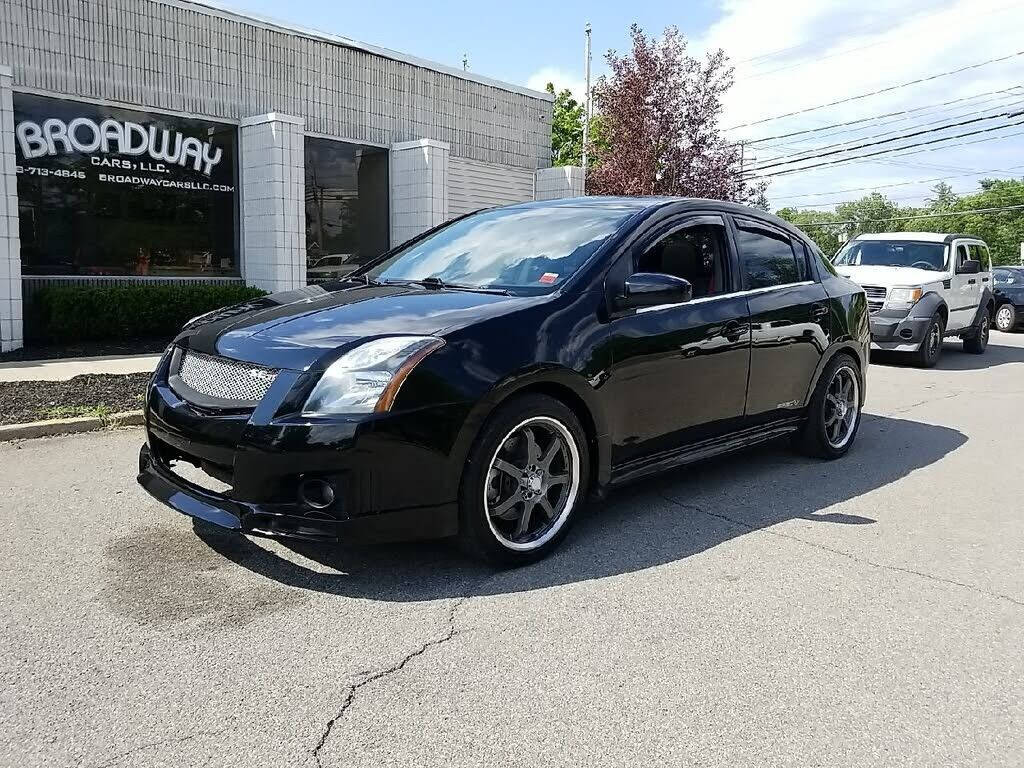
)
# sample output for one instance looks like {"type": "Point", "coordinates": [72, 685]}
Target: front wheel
{"type": "Point", "coordinates": [525, 479]}
{"type": "Point", "coordinates": [1006, 318]}
{"type": "Point", "coordinates": [833, 417]}
{"type": "Point", "coordinates": [928, 355]}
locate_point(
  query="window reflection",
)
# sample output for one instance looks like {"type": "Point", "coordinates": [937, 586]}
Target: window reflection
{"type": "Point", "coordinates": [346, 206]}
{"type": "Point", "coordinates": [108, 191]}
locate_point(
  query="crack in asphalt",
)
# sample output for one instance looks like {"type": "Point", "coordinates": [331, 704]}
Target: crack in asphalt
{"type": "Point", "coordinates": [379, 674]}
{"type": "Point", "coordinates": [159, 742]}
{"type": "Point", "coordinates": [849, 555]}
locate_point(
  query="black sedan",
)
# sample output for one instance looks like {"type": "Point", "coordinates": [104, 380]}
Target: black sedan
{"type": "Point", "coordinates": [483, 379]}
{"type": "Point", "coordinates": [1009, 295]}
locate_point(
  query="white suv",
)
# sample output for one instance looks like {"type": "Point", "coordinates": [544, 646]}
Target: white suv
{"type": "Point", "coordinates": [922, 287]}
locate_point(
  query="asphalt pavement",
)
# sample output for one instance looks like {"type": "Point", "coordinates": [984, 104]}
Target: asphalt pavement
{"type": "Point", "coordinates": [763, 609]}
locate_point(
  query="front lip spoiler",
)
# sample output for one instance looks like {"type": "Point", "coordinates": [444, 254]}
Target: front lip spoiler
{"type": "Point", "coordinates": [189, 499]}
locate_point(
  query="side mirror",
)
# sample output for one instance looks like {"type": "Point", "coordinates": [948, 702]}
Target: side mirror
{"type": "Point", "coordinates": [969, 267]}
{"type": "Point", "coordinates": [648, 289]}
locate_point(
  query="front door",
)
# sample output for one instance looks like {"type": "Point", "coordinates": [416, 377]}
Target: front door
{"type": "Point", "coordinates": [965, 291]}
{"type": "Point", "coordinates": [789, 319]}
{"type": "Point", "coordinates": [679, 372]}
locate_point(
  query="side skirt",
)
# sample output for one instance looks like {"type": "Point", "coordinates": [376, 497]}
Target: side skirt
{"type": "Point", "coordinates": [650, 465]}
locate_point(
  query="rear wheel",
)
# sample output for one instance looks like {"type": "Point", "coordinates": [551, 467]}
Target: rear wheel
{"type": "Point", "coordinates": [1006, 318]}
{"type": "Point", "coordinates": [978, 341]}
{"type": "Point", "coordinates": [931, 348]}
{"type": "Point", "coordinates": [834, 414]}
{"type": "Point", "coordinates": [525, 479]}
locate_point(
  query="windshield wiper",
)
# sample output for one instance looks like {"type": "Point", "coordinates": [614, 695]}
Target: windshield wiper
{"type": "Point", "coordinates": [436, 283]}
{"type": "Point", "coordinates": [363, 279]}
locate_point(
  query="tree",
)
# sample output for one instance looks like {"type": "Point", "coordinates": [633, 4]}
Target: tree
{"type": "Point", "coordinates": [944, 198]}
{"type": "Point", "coordinates": [660, 111]}
{"type": "Point", "coordinates": [566, 128]}
{"type": "Point", "coordinates": [1002, 230]}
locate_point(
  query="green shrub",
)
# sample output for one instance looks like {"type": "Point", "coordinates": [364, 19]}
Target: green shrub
{"type": "Point", "coordinates": [60, 314]}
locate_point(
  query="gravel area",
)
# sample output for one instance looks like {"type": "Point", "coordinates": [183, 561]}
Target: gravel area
{"type": "Point", "coordinates": [89, 395]}
{"type": "Point", "coordinates": [86, 349]}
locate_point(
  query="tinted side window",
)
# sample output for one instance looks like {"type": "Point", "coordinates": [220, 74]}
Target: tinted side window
{"type": "Point", "coordinates": [961, 255]}
{"type": "Point", "coordinates": [694, 253]}
{"type": "Point", "coordinates": [767, 258]}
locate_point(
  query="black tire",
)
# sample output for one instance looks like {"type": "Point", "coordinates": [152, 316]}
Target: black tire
{"type": "Point", "coordinates": [928, 355]}
{"type": "Point", "coordinates": [1006, 318]}
{"type": "Point", "coordinates": [977, 342]}
{"type": "Point", "coordinates": [490, 536]}
{"type": "Point", "coordinates": [814, 437]}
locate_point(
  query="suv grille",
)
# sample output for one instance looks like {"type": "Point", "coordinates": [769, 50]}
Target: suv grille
{"type": "Point", "coordinates": [225, 379]}
{"type": "Point", "coordinates": [876, 297]}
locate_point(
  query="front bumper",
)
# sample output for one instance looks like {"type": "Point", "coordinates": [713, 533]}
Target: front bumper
{"type": "Point", "coordinates": [395, 476]}
{"type": "Point", "coordinates": [895, 331]}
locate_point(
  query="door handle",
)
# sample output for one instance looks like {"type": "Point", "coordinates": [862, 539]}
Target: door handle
{"type": "Point", "coordinates": [972, 281]}
{"type": "Point", "coordinates": [818, 311]}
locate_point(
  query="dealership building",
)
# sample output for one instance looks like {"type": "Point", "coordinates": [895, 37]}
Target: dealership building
{"type": "Point", "coordinates": [174, 141]}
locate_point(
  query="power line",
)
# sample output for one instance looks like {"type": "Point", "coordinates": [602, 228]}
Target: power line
{"type": "Point", "coordinates": [815, 153]}
{"type": "Point", "coordinates": [911, 218]}
{"type": "Point", "coordinates": [887, 89]}
{"type": "Point", "coordinates": [899, 183]}
{"type": "Point", "coordinates": [833, 203]}
{"type": "Point", "coordinates": [903, 115]}
{"type": "Point", "coordinates": [890, 150]}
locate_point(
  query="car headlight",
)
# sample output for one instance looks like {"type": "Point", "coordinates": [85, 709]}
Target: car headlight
{"type": "Point", "coordinates": [367, 378]}
{"type": "Point", "coordinates": [904, 297]}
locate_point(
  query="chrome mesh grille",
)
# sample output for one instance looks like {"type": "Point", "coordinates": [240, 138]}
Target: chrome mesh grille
{"type": "Point", "coordinates": [225, 379]}
{"type": "Point", "coordinates": [876, 297]}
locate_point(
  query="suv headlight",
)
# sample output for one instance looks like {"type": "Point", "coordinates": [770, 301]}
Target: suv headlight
{"type": "Point", "coordinates": [904, 297]}
{"type": "Point", "coordinates": [367, 378]}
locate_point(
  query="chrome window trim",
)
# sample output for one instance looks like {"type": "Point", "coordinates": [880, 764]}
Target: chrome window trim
{"type": "Point", "coordinates": [733, 295]}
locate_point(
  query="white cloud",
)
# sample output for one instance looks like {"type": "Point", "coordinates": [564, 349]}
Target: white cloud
{"type": "Point", "coordinates": [791, 54]}
{"type": "Point", "coordinates": [562, 79]}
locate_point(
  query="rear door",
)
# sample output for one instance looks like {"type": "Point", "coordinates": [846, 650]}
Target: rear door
{"type": "Point", "coordinates": [789, 318]}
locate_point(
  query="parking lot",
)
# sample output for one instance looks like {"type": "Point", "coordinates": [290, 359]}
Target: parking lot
{"type": "Point", "coordinates": [762, 609]}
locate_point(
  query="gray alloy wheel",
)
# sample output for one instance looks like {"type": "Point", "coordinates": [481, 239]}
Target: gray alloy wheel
{"type": "Point", "coordinates": [842, 401]}
{"type": "Point", "coordinates": [532, 482]}
{"type": "Point", "coordinates": [1006, 317]}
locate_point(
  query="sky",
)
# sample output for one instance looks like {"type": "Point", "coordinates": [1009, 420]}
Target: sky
{"type": "Point", "coordinates": [789, 55]}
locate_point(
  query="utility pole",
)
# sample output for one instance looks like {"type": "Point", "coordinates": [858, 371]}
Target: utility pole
{"type": "Point", "coordinates": [739, 188]}
{"type": "Point", "coordinates": [586, 108]}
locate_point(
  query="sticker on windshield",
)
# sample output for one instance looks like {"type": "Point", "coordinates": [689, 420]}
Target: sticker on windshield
{"type": "Point", "coordinates": [548, 278]}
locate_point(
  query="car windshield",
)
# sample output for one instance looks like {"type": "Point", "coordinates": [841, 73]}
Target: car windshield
{"type": "Point", "coordinates": [519, 249]}
{"type": "Point", "coordinates": [892, 253]}
{"type": "Point", "coordinates": [1009, 277]}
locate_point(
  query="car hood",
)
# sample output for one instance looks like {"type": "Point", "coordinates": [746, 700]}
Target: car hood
{"type": "Point", "coordinates": [889, 276]}
{"type": "Point", "coordinates": [295, 329]}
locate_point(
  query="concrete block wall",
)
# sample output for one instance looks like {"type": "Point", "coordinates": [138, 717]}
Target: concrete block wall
{"type": "Point", "coordinates": [418, 174]}
{"type": "Point", "coordinates": [558, 182]}
{"type": "Point", "coordinates": [182, 56]}
{"type": "Point", "coordinates": [11, 334]}
{"type": "Point", "coordinates": [273, 216]}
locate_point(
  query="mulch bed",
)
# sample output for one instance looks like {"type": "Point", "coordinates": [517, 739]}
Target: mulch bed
{"type": "Point", "coordinates": [86, 395]}
{"type": "Point", "coordinates": [86, 349]}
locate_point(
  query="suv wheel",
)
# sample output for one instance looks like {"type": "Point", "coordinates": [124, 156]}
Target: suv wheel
{"type": "Point", "coordinates": [525, 480]}
{"type": "Point", "coordinates": [931, 348]}
{"type": "Point", "coordinates": [978, 341]}
{"type": "Point", "coordinates": [1006, 318]}
{"type": "Point", "coordinates": [834, 414]}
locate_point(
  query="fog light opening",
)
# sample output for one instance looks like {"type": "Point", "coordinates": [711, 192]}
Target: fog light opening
{"type": "Point", "coordinates": [318, 494]}
{"type": "Point", "coordinates": [906, 333]}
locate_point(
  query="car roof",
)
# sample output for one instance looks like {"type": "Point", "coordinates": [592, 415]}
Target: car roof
{"type": "Point", "coordinates": [921, 237]}
{"type": "Point", "coordinates": [650, 204]}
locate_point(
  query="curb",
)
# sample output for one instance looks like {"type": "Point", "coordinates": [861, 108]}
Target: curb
{"type": "Point", "coordinates": [34, 429]}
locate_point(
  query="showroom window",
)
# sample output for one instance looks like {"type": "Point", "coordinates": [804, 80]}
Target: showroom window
{"type": "Point", "coordinates": [108, 191]}
{"type": "Point", "coordinates": [346, 206]}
